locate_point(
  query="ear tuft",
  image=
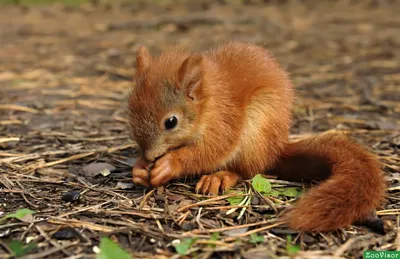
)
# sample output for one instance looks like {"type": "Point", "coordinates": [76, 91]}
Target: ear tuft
{"type": "Point", "coordinates": [142, 59]}
{"type": "Point", "coordinates": [190, 75]}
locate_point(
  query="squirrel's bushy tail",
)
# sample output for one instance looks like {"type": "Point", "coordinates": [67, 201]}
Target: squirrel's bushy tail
{"type": "Point", "coordinates": [352, 182]}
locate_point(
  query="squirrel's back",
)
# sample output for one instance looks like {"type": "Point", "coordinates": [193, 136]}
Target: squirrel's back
{"type": "Point", "coordinates": [249, 78]}
{"type": "Point", "coordinates": [248, 68]}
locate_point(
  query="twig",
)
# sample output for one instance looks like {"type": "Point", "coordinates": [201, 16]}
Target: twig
{"type": "Point", "coordinates": [209, 201]}
{"type": "Point", "coordinates": [83, 209]}
{"type": "Point", "coordinates": [228, 228]}
{"type": "Point", "coordinates": [80, 224]}
{"type": "Point", "coordinates": [143, 202]}
{"type": "Point", "coordinates": [9, 122]}
{"type": "Point", "coordinates": [198, 219]}
{"type": "Point", "coordinates": [75, 157]}
{"type": "Point", "coordinates": [3, 140]}
{"type": "Point", "coordinates": [49, 251]}
{"type": "Point", "coordinates": [254, 231]}
{"type": "Point", "coordinates": [15, 107]}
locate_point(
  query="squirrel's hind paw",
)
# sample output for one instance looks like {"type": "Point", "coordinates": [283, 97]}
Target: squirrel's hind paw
{"type": "Point", "coordinates": [219, 181]}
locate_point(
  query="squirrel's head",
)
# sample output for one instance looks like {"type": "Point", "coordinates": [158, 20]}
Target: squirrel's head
{"type": "Point", "coordinates": [165, 102]}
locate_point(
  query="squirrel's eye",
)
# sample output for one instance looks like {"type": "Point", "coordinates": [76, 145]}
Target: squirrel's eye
{"type": "Point", "coordinates": [170, 123]}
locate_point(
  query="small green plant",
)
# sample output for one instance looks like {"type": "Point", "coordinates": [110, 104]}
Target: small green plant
{"type": "Point", "coordinates": [290, 248]}
{"type": "Point", "coordinates": [235, 200]}
{"type": "Point", "coordinates": [19, 249]}
{"type": "Point", "coordinates": [184, 245]}
{"type": "Point", "coordinates": [239, 201]}
{"type": "Point", "coordinates": [214, 237]}
{"type": "Point", "coordinates": [291, 192]}
{"type": "Point", "coordinates": [256, 239]}
{"type": "Point", "coordinates": [111, 250]}
{"type": "Point", "coordinates": [261, 184]}
{"type": "Point", "coordinates": [21, 214]}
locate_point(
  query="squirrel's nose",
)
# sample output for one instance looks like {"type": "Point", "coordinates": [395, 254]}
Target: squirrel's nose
{"type": "Point", "coordinates": [151, 156]}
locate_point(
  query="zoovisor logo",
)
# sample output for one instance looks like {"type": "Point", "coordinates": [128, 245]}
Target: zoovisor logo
{"type": "Point", "coordinates": [381, 254]}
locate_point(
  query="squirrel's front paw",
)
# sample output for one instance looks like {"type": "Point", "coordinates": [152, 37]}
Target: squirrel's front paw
{"type": "Point", "coordinates": [164, 170]}
{"type": "Point", "coordinates": [140, 174]}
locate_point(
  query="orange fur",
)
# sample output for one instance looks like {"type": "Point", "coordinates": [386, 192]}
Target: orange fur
{"type": "Point", "coordinates": [352, 182]}
{"type": "Point", "coordinates": [232, 106]}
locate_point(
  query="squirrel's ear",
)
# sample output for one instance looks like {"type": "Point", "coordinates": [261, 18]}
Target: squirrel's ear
{"type": "Point", "coordinates": [190, 75]}
{"type": "Point", "coordinates": [142, 59]}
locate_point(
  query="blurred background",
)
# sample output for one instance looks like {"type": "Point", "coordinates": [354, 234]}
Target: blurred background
{"type": "Point", "coordinates": [74, 58]}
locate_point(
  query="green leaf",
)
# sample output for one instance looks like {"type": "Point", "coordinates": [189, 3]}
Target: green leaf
{"type": "Point", "coordinates": [235, 200]}
{"type": "Point", "coordinates": [19, 249]}
{"type": "Point", "coordinates": [111, 250]}
{"type": "Point", "coordinates": [214, 237]}
{"type": "Point", "coordinates": [255, 239]}
{"type": "Point", "coordinates": [287, 192]}
{"type": "Point", "coordinates": [183, 246]}
{"type": "Point", "coordinates": [291, 249]}
{"type": "Point", "coordinates": [261, 184]}
{"type": "Point", "coordinates": [275, 193]}
{"type": "Point", "coordinates": [291, 192]}
{"type": "Point", "coordinates": [21, 214]}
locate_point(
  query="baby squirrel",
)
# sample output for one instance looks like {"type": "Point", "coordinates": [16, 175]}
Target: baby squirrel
{"type": "Point", "coordinates": [225, 114]}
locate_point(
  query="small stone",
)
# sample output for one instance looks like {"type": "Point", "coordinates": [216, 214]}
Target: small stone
{"type": "Point", "coordinates": [95, 169]}
{"type": "Point", "coordinates": [255, 200]}
{"type": "Point", "coordinates": [126, 203]}
{"type": "Point", "coordinates": [113, 53]}
{"type": "Point", "coordinates": [71, 196]}
{"type": "Point", "coordinates": [123, 185]}
{"type": "Point", "coordinates": [188, 226]}
{"type": "Point", "coordinates": [65, 234]}
{"type": "Point", "coordinates": [175, 242]}
{"type": "Point", "coordinates": [308, 239]}
{"type": "Point", "coordinates": [5, 233]}
{"type": "Point", "coordinates": [375, 224]}
{"type": "Point", "coordinates": [105, 172]}
{"type": "Point", "coordinates": [96, 249]}
{"type": "Point", "coordinates": [283, 231]}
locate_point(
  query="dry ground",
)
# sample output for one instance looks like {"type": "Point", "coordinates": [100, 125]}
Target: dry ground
{"type": "Point", "coordinates": [64, 77]}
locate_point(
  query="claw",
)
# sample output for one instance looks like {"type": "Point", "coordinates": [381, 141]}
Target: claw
{"type": "Point", "coordinates": [216, 182]}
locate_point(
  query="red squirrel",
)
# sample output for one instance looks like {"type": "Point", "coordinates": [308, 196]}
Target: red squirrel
{"type": "Point", "coordinates": [225, 114]}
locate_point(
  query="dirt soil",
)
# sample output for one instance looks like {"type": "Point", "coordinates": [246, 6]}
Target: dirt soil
{"type": "Point", "coordinates": [65, 73]}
